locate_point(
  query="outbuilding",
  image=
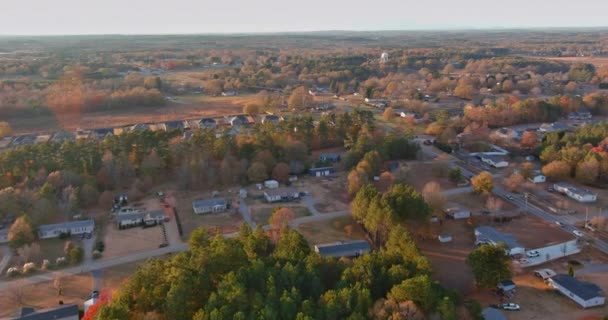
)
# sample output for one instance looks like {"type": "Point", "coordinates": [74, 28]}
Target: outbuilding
{"type": "Point", "coordinates": [457, 213]}
{"type": "Point", "coordinates": [506, 285]}
{"type": "Point", "coordinates": [341, 249]}
{"type": "Point", "coordinates": [271, 184]}
{"type": "Point", "coordinates": [321, 172]}
{"type": "Point", "coordinates": [586, 294]}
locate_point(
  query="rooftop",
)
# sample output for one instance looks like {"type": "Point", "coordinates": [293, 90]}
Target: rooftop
{"type": "Point", "coordinates": [209, 202]}
{"type": "Point", "coordinates": [534, 233]}
{"type": "Point", "coordinates": [59, 312]}
{"type": "Point", "coordinates": [585, 290]}
{"type": "Point", "coordinates": [490, 234]}
{"type": "Point", "coordinates": [70, 224]}
{"type": "Point", "coordinates": [339, 248]}
{"type": "Point", "coordinates": [282, 192]}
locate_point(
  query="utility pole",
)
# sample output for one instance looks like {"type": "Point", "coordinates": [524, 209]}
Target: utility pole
{"type": "Point", "coordinates": [526, 195]}
{"type": "Point", "coordinates": [586, 216]}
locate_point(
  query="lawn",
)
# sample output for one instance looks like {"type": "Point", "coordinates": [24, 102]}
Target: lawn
{"type": "Point", "coordinates": [338, 229]}
{"type": "Point", "coordinates": [261, 215]}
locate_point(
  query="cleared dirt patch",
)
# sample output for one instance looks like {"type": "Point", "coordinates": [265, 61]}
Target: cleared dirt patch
{"type": "Point", "coordinates": [338, 229]}
{"type": "Point", "coordinates": [329, 192]}
{"type": "Point", "coordinates": [124, 242]}
{"type": "Point", "coordinates": [532, 232]}
{"type": "Point", "coordinates": [261, 214]}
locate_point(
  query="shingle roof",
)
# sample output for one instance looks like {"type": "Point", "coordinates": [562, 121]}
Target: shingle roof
{"type": "Point", "coordinates": [585, 290]}
{"type": "Point", "coordinates": [339, 249]}
{"type": "Point", "coordinates": [209, 202]}
{"type": "Point", "coordinates": [129, 216]}
{"type": "Point", "coordinates": [282, 192]}
{"type": "Point", "coordinates": [59, 312]}
{"type": "Point", "coordinates": [491, 234]}
{"type": "Point", "coordinates": [70, 224]}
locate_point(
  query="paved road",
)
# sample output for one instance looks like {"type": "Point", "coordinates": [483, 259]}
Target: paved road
{"type": "Point", "coordinates": [456, 191]}
{"type": "Point", "coordinates": [310, 205]}
{"type": "Point", "coordinates": [244, 210]}
{"type": "Point", "coordinates": [6, 257]}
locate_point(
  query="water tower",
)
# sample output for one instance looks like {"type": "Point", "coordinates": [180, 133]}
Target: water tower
{"type": "Point", "coordinates": [384, 57]}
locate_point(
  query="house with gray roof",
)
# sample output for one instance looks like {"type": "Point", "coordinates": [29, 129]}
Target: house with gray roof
{"type": "Point", "coordinates": [271, 118]}
{"type": "Point", "coordinates": [213, 205]}
{"type": "Point", "coordinates": [63, 136]}
{"type": "Point", "coordinates": [207, 123]}
{"type": "Point", "coordinates": [61, 312]}
{"type": "Point", "coordinates": [586, 294]}
{"type": "Point", "coordinates": [281, 194]}
{"type": "Point", "coordinates": [341, 249]}
{"type": "Point", "coordinates": [578, 194]}
{"type": "Point", "coordinates": [101, 133]}
{"type": "Point", "coordinates": [489, 235]}
{"type": "Point", "coordinates": [4, 235]}
{"type": "Point", "coordinates": [73, 227]}
{"type": "Point", "coordinates": [492, 314]}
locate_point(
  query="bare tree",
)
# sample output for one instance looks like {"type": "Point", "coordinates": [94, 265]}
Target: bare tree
{"type": "Point", "coordinates": [58, 278]}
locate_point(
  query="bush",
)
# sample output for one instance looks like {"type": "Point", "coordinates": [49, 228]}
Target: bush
{"type": "Point", "coordinates": [64, 235]}
{"type": "Point", "coordinates": [76, 255]}
{"type": "Point", "coordinates": [29, 268]}
{"type": "Point", "coordinates": [96, 254]}
{"type": "Point", "coordinates": [443, 147]}
{"type": "Point", "coordinates": [100, 246]}
{"type": "Point", "coordinates": [45, 264]}
{"type": "Point", "coordinates": [13, 272]}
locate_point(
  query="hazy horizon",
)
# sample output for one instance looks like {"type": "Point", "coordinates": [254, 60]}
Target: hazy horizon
{"type": "Point", "coordinates": [139, 17]}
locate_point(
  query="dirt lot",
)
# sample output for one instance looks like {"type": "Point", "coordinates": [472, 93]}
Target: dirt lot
{"type": "Point", "coordinates": [532, 232]}
{"type": "Point", "coordinates": [477, 203]}
{"type": "Point", "coordinates": [127, 241]}
{"type": "Point", "coordinates": [75, 290]}
{"type": "Point", "coordinates": [261, 213]}
{"type": "Point", "coordinates": [339, 229]}
{"type": "Point", "coordinates": [432, 173]}
{"type": "Point", "coordinates": [225, 222]}
{"type": "Point", "coordinates": [448, 259]}
{"type": "Point", "coordinates": [329, 193]}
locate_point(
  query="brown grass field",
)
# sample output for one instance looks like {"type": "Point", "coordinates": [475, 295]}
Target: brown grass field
{"type": "Point", "coordinates": [596, 61]}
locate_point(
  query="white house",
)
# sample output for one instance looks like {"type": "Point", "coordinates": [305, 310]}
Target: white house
{"type": "Point", "coordinates": [281, 194]}
{"type": "Point", "coordinates": [586, 294]}
{"type": "Point", "coordinates": [129, 220]}
{"type": "Point", "coordinates": [538, 178]}
{"type": "Point", "coordinates": [73, 227]}
{"type": "Point", "coordinates": [209, 206]}
{"type": "Point", "coordinates": [271, 184]}
{"type": "Point", "coordinates": [489, 235]}
{"type": "Point", "coordinates": [580, 195]}
{"type": "Point", "coordinates": [495, 161]}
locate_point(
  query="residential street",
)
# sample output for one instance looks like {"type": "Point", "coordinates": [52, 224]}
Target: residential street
{"type": "Point", "coordinates": [244, 210]}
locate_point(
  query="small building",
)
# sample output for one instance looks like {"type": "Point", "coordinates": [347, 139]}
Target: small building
{"type": "Point", "coordinates": [495, 161]}
{"type": "Point", "coordinates": [330, 157]}
{"type": "Point", "coordinates": [271, 184]}
{"type": "Point", "coordinates": [271, 118]}
{"type": "Point", "coordinates": [73, 227]}
{"type": "Point", "coordinates": [321, 172]}
{"type": "Point", "coordinates": [580, 115]}
{"type": "Point", "coordinates": [580, 195]}
{"type": "Point", "coordinates": [281, 194]}
{"type": "Point", "coordinates": [243, 193]}
{"type": "Point", "coordinates": [443, 238]}
{"type": "Point", "coordinates": [346, 249]}
{"type": "Point", "coordinates": [207, 123]}
{"type": "Point", "coordinates": [214, 205]}
{"type": "Point", "coordinates": [544, 273]}
{"type": "Point", "coordinates": [457, 213]}
{"type": "Point", "coordinates": [489, 235]}
{"type": "Point", "coordinates": [506, 285]}
{"type": "Point", "coordinates": [61, 312]}
{"type": "Point", "coordinates": [553, 127]}
{"type": "Point", "coordinates": [586, 294]}
{"type": "Point", "coordinates": [492, 314]}
{"type": "Point", "coordinates": [23, 140]}
{"type": "Point", "coordinates": [538, 178]}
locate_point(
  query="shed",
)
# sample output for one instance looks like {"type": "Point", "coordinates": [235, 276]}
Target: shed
{"type": "Point", "coordinates": [341, 249]}
{"type": "Point", "coordinates": [321, 172]}
{"type": "Point", "coordinates": [271, 184]}
{"type": "Point", "coordinates": [586, 294]}
{"type": "Point", "coordinates": [209, 205]}
{"type": "Point", "coordinates": [506, 285]}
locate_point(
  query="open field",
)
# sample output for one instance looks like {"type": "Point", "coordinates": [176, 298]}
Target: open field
{"type": "Point", "coordinates": [127, 241]}
{"type": "Point", "coordinates": [339, 229]}
{"type": "Point", "coordinates": [596, 61]}
{"type": "Point", "coordinates": [448, 259]}
{"type": "Point", "coordinates": [532, 232]}
{"type": "Point", "coordinates": [329, 193]}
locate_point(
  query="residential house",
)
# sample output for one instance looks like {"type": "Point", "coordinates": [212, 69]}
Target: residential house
{"type": "Point", "coordinates": [330, 157]}
{"type": "Point", "coordinates": [174, 125]}
{"type": "Point", "coordinates": [342, 249]}
{"type": "Point", "coordinates": [580, 115]}
{"type": "Point", "coordinates": [456, 212]}
{"type": "Point", "coordinates": [495, 161]}
{"type": "Point", "coordinates": [42, 138]}
{"type": "Point", "coordinates": [586, 294]}
{"type": "Point", "coordinates": [73, 227]}
{"type": "Point", "coordinates": [553, 127]}
{"type": "Point", "coordinates": [140, 127]}
{"type": "Point", "coordinates": [129, 220]}
{"type": "Point", "coordinates": [209, 205]}
{"type": "Point", "coordinates": [578, 194]}
{"type": "Point", "coordinates": [154, 217]}
{"type": "Point", "coordinates": [489, 235]}
{"type": "Point", "coordinates": [82, 134]}
{"type": "Point", "coordinates": [271, 118]}
{"type": "Point", "coordinates": [492, 314]}
{"type": "Point", "coordinates": [207, 123]}
{"type": "Point", "coordinates": [321, 172]}
{"type": "Point", "coordinates": [23, 140]}
{"type": "Point", "coordinates": [63, 136]}
{"type": "Point", "coordinates": [157, 127]}
{"type": "Point", "coordinates": [61, 312]}
{"type": "Point", "coordinates": [281, 194]}
{"type": "Point", "coordinates": [101, 133]}
{"type": "Point", "coordinates": [506, 133]}
{"type": "Point", "coordinates": [238, 120]}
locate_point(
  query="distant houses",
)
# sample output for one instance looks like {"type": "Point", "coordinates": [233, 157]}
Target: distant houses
{"type": "Point", "coordinates": [343, 249]}
{"type": "Point", "coordinates": [585, 294]}
{"type": "Point", "coordinates": [321, 172]}
{"type": "Point", "coordinates": [72, 228]}
{"type": "Point", "coordinates": [330, 157]}
{"type": "Point", "coordinates": [580, 115]}
{"type": "Point", "coordinates": [214, 205]}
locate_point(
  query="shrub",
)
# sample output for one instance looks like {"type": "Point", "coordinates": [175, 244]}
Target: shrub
{"type": "Point", "coordinates": [45, 264]}
{"type": "Point", "coordinates": [29, 267]}
{"type": "Point", "coordinates": [100, 246]}
{"type": "Point", "coordinates": [96, 254]}
{"type": "Point", "coordinates": [76, 255]}
{"type": "Point", "coordinates": [13, 272]}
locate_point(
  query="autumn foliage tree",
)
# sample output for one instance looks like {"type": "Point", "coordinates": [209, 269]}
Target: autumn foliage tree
{"type": "Point", "coordinates": [257, 172]}
{"type": "Point", "coordinates": [529, 140]}
{"type": "Point", "coordinates": [281, 172]}
{"type": "Point", "coordinates": [514, 181]}
{"type": "Point", "coordinates": [21, 233]}
{"type": "Point", "coordinates": [557, 170]}
{"type": "Point", "coordinates": [483, 182]}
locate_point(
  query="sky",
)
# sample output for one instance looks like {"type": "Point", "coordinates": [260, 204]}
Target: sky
{"type": "Point", "coordinates": [59, 17]}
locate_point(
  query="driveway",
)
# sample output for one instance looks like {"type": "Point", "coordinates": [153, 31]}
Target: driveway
{"type": "Point", "coordinates": [88, 245]}
{"type": "Point", "coordinates": [310, 205]}
{"type": "Point", "coordinates": [245, 212]}
{"type": "Point", "coordinates": [7, 254]}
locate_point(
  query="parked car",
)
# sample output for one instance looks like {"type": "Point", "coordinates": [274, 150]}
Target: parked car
{"type": "Point", "coordinates": [532, 254]}
{"type": "Point", "coordinates": [550, 189]}
{"type": "Point", "coordinates": [509, 197]}
{"type": "Point", "coordinates": [560, 224]}
{"type": "Point", "coordinates": [510, 306]}
{"type": "Point", "coordinates": [577, 233]}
